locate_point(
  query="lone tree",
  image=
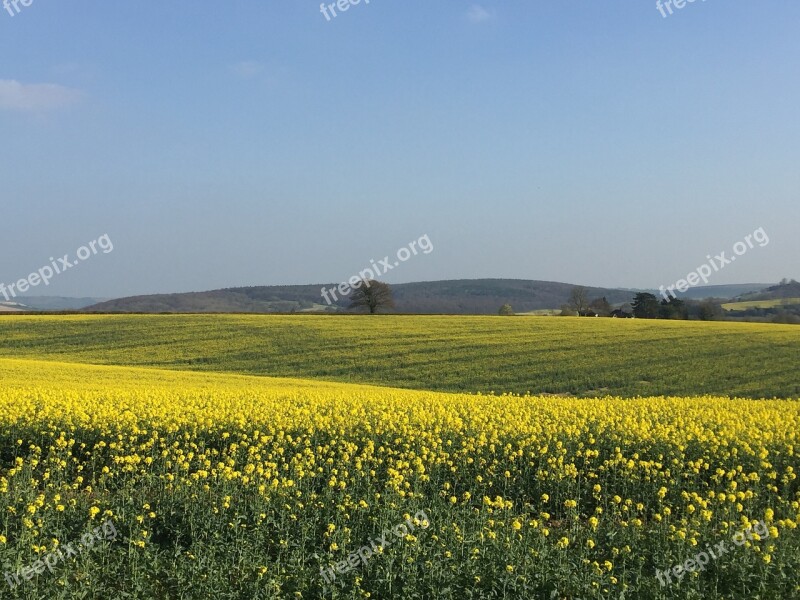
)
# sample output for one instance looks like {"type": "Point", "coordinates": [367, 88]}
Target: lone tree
{"type": "Point", "coordinates": [579, 300]}
{"type": "Point", "coordinates": [372, 295]}
{"type": "Point", "coordinates": [506, 310]}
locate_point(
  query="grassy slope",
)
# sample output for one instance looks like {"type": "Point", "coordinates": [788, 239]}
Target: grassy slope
{"type": "Point", "coordinates": [775, 302]}
{"type": "Point", "coordinates": [549, 355]}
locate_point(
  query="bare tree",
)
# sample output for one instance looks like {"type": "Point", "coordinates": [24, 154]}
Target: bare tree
{"type": "Point", "coordinates": [579, 299]}
{"type": "Point", "coordinates": [372, 295]}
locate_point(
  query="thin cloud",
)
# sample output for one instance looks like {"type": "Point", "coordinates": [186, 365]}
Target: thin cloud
{"type": "Point", "coordinates": [478, 14]}
{"type": "Point", "coordinates": [247, 69]}
{"type": "Point", "coordinates": [35, 97]}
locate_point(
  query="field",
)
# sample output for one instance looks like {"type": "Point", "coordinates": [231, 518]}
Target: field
{"type": "Point", "coordinates": [734, 306]}
{"type": "Point", "coordinates": [580, 357]}
{"type": "Point", "coordinates": [238, 485]}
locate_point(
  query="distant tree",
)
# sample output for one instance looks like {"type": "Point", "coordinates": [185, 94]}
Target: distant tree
{"type": "Point", "coordinates": [372, 295]}
{"type": "Point", "coordinates": [579, 299]}
{"type": "Point", "coordinates": [710, 311]}
{"type": "Point", "coordinates": [601, 306]}
{"type": "Point", "coordinates": [645, 306]}
{"type": "Point", "coordinates": [567, 311]}
{"type": "Point", "coordinates": [506, 310]}
{"type": "Point", "coordinates": [785, 317]}
{"type": "Point", "coordinates": [673, 309]}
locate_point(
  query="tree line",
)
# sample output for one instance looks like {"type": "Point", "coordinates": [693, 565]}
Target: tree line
{"type": "Point", "coordinates": [643, 306]}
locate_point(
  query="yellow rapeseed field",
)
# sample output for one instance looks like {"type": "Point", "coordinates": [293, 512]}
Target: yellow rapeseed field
{"type": "Point", "coordinates": [225, 486]}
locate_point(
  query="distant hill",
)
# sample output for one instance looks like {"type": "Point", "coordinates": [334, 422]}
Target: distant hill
{"type": "Point", "coordinates": [47, 303]}
{"type": "Point", "coordinates": [57, 302]}
{"type": "Point", "coordinates": [12, 307]}
{"type": "Point", "coordinates": [787, 289]}
{"type": "Point", "coordinates": [723, 292]}
{"type": "Point", "coordinates": [486, 296]}
{"type": "Point", "coordinates": [777, 304]}
{"type": "Point", "coordinates": [237, 300]}
{"type": "Point", "coordinates": [464, 296]}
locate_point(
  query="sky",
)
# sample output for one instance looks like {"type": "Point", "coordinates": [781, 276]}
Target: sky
{"type": "Point", "coordinates": [261, 142]}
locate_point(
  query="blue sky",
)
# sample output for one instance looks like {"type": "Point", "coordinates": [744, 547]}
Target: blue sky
{"type": "Point", "coordinates": [255, 142]}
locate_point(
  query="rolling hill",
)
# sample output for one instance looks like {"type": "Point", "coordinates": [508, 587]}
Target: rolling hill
{"type": "Point", "coordinates": [465, 296]}
{"type": "Point", "coordinates": [786, 290]}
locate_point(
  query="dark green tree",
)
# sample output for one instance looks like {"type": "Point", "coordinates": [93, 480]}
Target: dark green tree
{"type": "Point", "coordinates": [645, 306]}
{"type": "Point", "coordinates": [673, 309]}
